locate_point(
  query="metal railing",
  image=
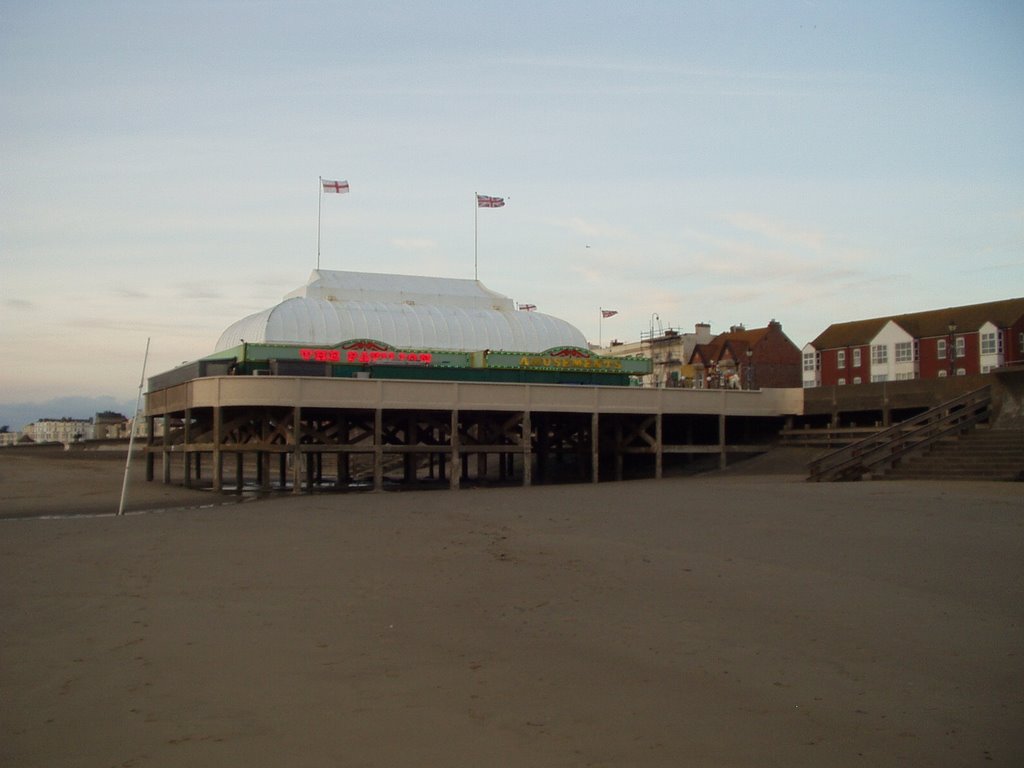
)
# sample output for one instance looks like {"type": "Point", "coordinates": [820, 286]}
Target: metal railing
{"type": "Point", "coordinates": [883, 449]}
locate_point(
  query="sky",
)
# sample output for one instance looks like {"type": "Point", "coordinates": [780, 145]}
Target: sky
{"type": "Point", "coordinates": [678, 162]}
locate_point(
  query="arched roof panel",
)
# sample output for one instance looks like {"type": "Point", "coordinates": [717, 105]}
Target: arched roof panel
{"type": "Point", "coordinates": [423, 313]}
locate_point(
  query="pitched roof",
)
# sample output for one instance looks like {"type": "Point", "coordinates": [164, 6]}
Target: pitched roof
{"type": "Point", "coordinates": [922, 325]}
{"type": "Point", "coordinates": [737, 341]}
{"type": "Point", "coordinates": [851, 334]}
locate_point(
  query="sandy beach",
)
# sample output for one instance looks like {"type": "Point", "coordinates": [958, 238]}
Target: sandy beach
{"type": "Point", "coordinates": [733, 619]}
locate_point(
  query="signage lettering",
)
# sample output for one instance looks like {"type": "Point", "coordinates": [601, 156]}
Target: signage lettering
{"type": "Point", "coordinates": [575, 363]}
{"type": "Point", "coordinates": [365, 356]}
{"type": "Point", "coordinates": [321, 355]}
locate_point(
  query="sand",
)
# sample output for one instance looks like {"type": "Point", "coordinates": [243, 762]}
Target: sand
{"type": "Point", "coordinates": [727, 620]}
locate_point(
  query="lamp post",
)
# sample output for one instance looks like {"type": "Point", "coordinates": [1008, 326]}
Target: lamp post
{"type": "Point", "coordinates": [952, 347]}
{"type": "Point", "coordinates": [750, 368]}
{"type": "Point", "coordinates": [655, 378]}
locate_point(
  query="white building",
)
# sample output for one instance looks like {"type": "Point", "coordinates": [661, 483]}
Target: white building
{"type": "Point", "coordinates": [669, 351]}
{"type": "Point", "coordinates": [64, 430]}
{"type": "Point", "coordinates": [893, 355]}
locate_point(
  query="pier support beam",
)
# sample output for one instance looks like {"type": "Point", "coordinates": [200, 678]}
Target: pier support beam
{"type": "Point", "coordinates": [218, 458]}
{"type": "Point", "coordinates": [658, 453]}
{"type": "Point", "coordinates": [526, 448]}
{"type": "Point", "coordinates": [455, 469]}
{"type": "Point", "coordinates": [721, 441]}
{"type": "Point", "coordinates": [297, 449]}
{"type": "Point", "coordinates": [378, 449]}
{"type": "Point", "coordinates": [186, 457]}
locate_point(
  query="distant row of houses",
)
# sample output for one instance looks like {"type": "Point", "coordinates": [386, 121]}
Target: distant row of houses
{"type": "Point", "coordinates": [106, 425]}
{"type": "Point", "coordinates": [955, 341]}
{"type": "Point", "coordinates": [739, 358]}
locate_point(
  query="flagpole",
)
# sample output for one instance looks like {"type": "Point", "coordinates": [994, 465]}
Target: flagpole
{"type": "Point", "coordinates": [600, 321]}
{"type": "Point", "coordinates": [319, 213]}
{"type": "Point", "coordinates": [476, 230]}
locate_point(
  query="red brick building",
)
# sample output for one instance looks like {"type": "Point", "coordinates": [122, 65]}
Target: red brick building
{"type": "Point", "coordinates": [747, 359]}
{"type": "Point", "coordinates": [956, 341]}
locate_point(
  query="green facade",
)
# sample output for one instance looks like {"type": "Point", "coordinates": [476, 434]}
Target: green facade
{"type": "Point", "coordinates": [373, 359]}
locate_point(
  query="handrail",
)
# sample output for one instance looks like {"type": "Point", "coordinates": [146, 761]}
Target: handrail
{"type": "Point", "coordinates": [884, 448]}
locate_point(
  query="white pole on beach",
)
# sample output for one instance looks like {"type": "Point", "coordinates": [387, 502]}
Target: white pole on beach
{"type": "Point", "coordinates": [131, 435]}
{"type": "Point", "coordinates": [319, 213]}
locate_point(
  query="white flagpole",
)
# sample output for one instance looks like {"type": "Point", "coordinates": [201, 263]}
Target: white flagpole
{"type": "Point", "coordinates": [600, 321]}
{"type": "Point", "coordinates": [131, 436]}
{"type": "Point", "coordinates": [476, 230]}
{"type": "Point", "coordinates": [319, 213]}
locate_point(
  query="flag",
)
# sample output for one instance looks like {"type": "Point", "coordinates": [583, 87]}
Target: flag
{"type": "Point", "coordinates": [527, 307]}
{"type": "Point", "coordinates": [340, 187]}
{"type": "Point", "coordinates": [609, 312]}
{"type": "Point", "coordinates": [486, 201]}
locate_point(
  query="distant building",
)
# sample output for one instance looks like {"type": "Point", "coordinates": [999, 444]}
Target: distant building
{"type": "Point", "coordinates": [956, 341]}
{"type": "Point", "coordinates": [669, 351]}
{"type": "Point", "coordinates": [64, 430]}
{"type": "Point", "coordinates": [758, 358]}
{"type": "Point", "coordinates": [107, 425]}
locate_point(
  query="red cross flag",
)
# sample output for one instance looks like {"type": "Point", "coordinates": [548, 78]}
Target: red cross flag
{"type": "Point", "coordinates": [486, 201]}
{"type": "Point", "coordinates": [341, 187]}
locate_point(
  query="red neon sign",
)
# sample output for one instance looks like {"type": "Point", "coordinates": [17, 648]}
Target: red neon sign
{"type": "Point", "coordinates": [364, 356]}
{"type": "Point", "coordinates": [321, 355]}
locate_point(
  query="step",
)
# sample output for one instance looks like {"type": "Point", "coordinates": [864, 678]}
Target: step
{"type": "Point", "coordinates": [941, 472]}
{"type": "Point", "coordinates": [963, 461]}
{"type": "Point", "coordinates": [969, 459]}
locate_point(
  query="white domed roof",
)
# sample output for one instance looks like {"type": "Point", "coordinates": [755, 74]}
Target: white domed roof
{"type": "Point", "coordinates": [408, 312]}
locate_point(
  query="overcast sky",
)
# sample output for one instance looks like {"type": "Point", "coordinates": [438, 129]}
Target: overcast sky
{"type": "Point", "coordinates": [721, 162]}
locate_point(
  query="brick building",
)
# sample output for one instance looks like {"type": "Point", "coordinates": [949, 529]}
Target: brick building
{"type": "Point", "coordinates": [956, 341]}
{"type": "Point", "coordinates": [758, 358]}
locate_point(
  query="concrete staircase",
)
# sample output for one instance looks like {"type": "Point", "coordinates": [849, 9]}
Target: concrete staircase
{"type": "Point", "coordinates": [981, 454]}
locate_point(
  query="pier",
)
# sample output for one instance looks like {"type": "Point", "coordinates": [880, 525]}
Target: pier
{"type": "Point", "coordinates": [304, 433]}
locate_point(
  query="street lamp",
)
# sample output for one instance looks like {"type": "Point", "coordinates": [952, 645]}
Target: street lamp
{"type": "Point", "coordinates": [952, 347]}
{"type": "Point", "coordinates": [654, 373]}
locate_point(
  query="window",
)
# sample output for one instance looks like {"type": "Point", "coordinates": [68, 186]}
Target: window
{"type": "Point", "coordinates": [961, 371]}
{"type": "Point", "coordinates": [961, 346]}
{"type": "Point", "coordinates": [856, 379]}
{"type": "Point", "coordinates": [986, 368]}
{"type": "Point", "coordinates": [841, 359]}
{"type": "Point", "coordinates": [879, 354]}
{"type": "Point", "coordinates": [904, 352]}
{"type": "Point", "coordinates": [879, 377]}
{"type": "Point", "coordinates": [988, 343]}
{"type": "Point", "coordinates": [809, 361]}
{"type": "Point", "coordinates": [943, 373]}
{"type": "Point", "coordinates": [842, 382]}
{"type": "Point", "coordinates": [940, 349]}
{"type": "Point", "coordinates": [856, 358]}
{"type": "Point", "coordinates": [904, 376]}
